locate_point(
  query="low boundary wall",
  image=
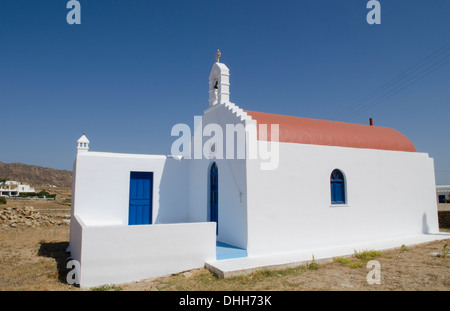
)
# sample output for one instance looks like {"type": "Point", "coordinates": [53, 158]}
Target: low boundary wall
{"type": "Point", "coordinates": [120, 254]}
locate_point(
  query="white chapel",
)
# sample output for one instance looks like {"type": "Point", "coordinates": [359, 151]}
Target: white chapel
{"type": "Point", "coordinates": [285, 189]}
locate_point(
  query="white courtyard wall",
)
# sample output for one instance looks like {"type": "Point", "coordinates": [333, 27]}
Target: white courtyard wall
{"type": "Point", "coordinates": [119, 254]}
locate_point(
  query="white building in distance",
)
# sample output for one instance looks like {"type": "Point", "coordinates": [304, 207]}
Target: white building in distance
{"type": "Point", "coordinates": [443, 193]}
{"type": "Point", "coordinates": [12, 188]}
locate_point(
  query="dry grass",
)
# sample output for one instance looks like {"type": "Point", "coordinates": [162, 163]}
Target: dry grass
{"type": "Point", "coordinates": [35, 258]}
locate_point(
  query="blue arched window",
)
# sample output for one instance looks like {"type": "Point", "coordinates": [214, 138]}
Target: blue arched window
{"type": "Point", "coordinates": [214, 195]}
{"type": "Point", "coordinates": [337, 184]}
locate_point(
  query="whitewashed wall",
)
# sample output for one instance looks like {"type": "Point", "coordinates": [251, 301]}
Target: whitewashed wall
{"type": "Point", "coordinates": [102, 182]}
{"type": "Point", "coordinates": [389, 194]}
{"type": "Point", "coordinates": [119, 254]}
{"type": "Point", "coordinates": [232, 184]}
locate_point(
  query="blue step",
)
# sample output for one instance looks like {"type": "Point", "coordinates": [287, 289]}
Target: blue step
{"type": "Point", "coordinates": [226, 251]}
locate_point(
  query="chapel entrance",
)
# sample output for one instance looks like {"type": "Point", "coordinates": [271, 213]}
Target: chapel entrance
{"type": "Point", "coordinates": [214, 195]}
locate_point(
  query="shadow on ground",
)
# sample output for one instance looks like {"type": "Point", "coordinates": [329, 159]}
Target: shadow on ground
{"type": "Point", "coordinates": [56, 250]}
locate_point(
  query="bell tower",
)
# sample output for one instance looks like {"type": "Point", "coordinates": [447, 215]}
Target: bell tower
{"type": "Point", "coordinates": [219, 83]}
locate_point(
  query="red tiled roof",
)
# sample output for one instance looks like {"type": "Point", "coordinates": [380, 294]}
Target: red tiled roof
{"type": "Point", "coordinates": [333, 133]}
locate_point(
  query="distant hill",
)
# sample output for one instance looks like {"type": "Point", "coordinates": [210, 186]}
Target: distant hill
{"type": "Point", "coordinates": [35, 175]}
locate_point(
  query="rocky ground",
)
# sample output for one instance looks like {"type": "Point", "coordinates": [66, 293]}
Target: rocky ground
{"type": "Point", "coordinates": [28, 216]}
{"type": "Point", "coordinates": [34, 237]}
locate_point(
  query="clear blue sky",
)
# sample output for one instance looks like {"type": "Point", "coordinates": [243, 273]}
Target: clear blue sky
{"type": "Point", "coordinates": [133, 69]}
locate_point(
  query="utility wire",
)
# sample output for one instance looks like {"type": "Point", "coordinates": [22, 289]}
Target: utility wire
{"type": "Point", "coordinates": [350, 110]}
{"type": "Point", "coordinates": [439, 51]}
{"type": "Point", "coordinates": [399, 88]}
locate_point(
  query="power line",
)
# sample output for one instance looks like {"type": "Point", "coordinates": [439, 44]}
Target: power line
{"type": "Point", "coordinates": [442, 49]}
{"type": "Point", "coordinates": [408, 82]}
{"type": "Point", "coordinates": [396, 80]}
{"type": "Point", "coordinates": [403, 84]}
{"type": "Point", "coordinates": [442, 171]}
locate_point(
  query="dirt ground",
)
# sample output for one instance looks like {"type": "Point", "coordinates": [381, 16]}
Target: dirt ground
{"type": "Point", "coordinates": [34, 259]}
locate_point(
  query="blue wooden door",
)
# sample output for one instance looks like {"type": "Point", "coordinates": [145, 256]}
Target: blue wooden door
{"type": "Point", "coordinates": [141, 192]}
{"type": "Point", "coordinates": [214, 196]}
